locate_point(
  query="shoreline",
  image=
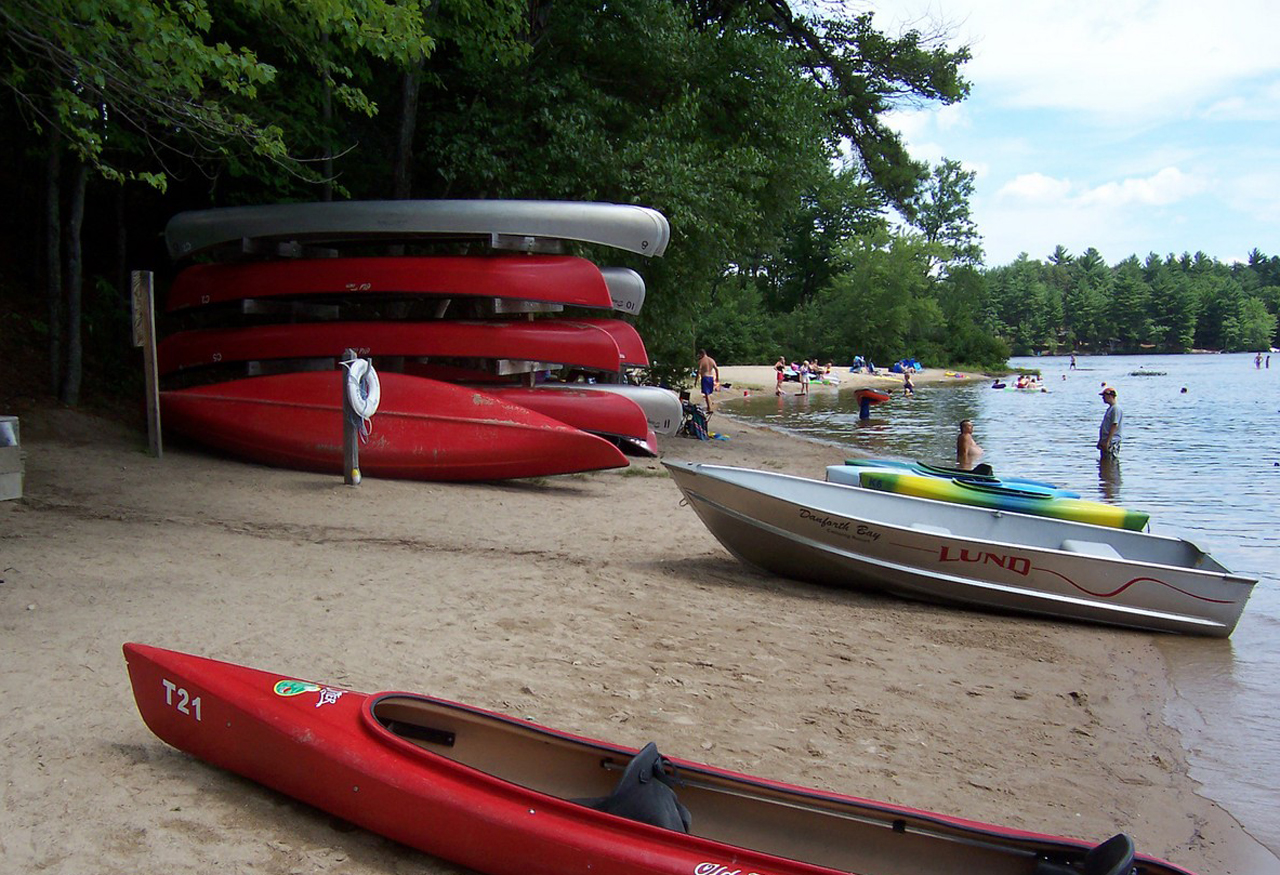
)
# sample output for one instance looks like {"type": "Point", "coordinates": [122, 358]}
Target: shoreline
{"type": "Point", "coordinates": [595, 604]}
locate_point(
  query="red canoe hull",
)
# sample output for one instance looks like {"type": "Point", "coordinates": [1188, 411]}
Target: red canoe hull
{"type": "Point", "coordinates": [327, 747]}
{"type": "Point", "coordinates": [423, 430]}
{"type": "Point", "coordinates": [542, 340]}
{"type": "Point", "coordinates": [630, 344]}
{"type": "Point", "coordinates": [555, 279]}
{"type": "Point", "coordinates": [596, 412]}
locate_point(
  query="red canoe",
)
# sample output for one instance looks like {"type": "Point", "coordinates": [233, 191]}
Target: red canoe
{"type": "Point", "coordinates": [596, 412]}
{"type": "Point", "coordinates": [541, 340]}
{"type": "Point", "coordinates": [873, 396]}
{"type": "Point", "coordinates": [508, 797]}
{"type": "Point", "coordinates": [423, 430]}
{"type": "Point", "coordinates": [630, 344]}
{"type": "Point", "coordinates": [556, 279]}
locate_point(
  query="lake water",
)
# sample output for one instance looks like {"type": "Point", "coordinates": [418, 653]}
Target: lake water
{"type": "Point", "coordinates": [1205, 463]}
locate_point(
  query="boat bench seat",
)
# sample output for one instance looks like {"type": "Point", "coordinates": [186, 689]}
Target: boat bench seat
{"type": "Point", "coordinates": [1091, 548]}
{"type": "Point", "coordinates": [931, 530]}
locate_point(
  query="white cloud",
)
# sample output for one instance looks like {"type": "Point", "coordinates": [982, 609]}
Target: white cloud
{"type": "Point", "coordinates": [1035, 188]}
{"type": "Point", "coordinates": [1112, 60]}
{"type": "Point", "coordinates": [1165, 187]}
{"type": "Point", "coordinates": [1261, 104]}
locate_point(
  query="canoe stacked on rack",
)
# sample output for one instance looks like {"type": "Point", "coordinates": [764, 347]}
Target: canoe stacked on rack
{"type": "Point", "coordinates": [466, 345]}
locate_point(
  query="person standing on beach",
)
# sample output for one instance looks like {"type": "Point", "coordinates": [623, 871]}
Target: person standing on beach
{"type": "Point", "coordinates": [967, 450]}
{"type": "Point", "coordinates": [780, 368]}
{"type": "Point", "coordinates": [804, 378]}
{"type": "Point", "coordinates": [708, 376]}
{"type": "Point", "coordinates": [1109, 431]}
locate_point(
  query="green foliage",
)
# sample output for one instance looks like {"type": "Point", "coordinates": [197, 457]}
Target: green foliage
{"type": "Point", "coordinates": [1169, 305]}
{"type": "Point", "coordinates": [941, 210]}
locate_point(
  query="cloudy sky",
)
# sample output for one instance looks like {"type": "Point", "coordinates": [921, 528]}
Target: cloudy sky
{"type": "Point", "coordinates": [1132, 126]}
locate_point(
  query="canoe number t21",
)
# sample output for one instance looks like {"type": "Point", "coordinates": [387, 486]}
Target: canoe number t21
{"type": "Point", "coordinates": [176, 697]}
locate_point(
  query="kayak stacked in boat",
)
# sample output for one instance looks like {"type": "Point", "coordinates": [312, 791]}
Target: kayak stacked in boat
{"type": "Point", "coordinates": [1030, 500]}
{"type": "Point", "coordinates": [972, 476]}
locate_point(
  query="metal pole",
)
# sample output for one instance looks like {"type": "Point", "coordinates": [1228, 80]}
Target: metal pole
{"type": "Point", "coordinates": [350, 428]}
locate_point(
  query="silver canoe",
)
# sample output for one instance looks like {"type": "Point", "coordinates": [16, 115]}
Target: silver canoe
{"type": "Point", "coordinates": [626, 288]}
{"type": "Point", "coordinates": [954, 554]}
{"type": "Point", "coordinates": [662, 407]}
{"type": "Point", "coordinates": [507, 224]}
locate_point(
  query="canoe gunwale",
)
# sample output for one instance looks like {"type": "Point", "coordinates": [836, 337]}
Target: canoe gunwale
{"type": "Point", "coordinates": [899, 819]}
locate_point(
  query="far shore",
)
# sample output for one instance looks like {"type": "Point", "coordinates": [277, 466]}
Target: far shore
{"type": "Point", "coordinates": [734, 379]}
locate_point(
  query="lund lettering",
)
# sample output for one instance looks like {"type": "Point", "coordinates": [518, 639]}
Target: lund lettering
{"type": "Point", "coordinates": [1016, 564]}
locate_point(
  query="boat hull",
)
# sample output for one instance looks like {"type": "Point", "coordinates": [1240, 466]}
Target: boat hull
{"type": "Point", "coordinates": [630, 344]}
{"type": "Point", "coordinates": [621, 226]}
{"type": "Point", "coordinates": [423, 430]}
{"type": "Point", "coordinates": [996, 497]}
{"type": "Point", "coordinates": [554, 279]}
{"type": "Point", "coordinates": [494, 793]}
{"type": "Point", "coordinates": [542, 340]}
{"type": "Point", "coordinates": [601, 413]}
{"type": "Point", "coordinates": [626, 289]}
{"type": "Point", "coordinates": [964, 556]}
{"type": "Point", "coordinates": [661, 406]}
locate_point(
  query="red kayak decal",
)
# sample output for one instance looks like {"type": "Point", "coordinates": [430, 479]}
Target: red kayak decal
{"type": "Point", "coordinates": [289, 688]}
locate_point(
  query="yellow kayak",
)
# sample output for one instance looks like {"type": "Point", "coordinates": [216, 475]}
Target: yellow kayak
{"type": "Point", "coordinates": [1003, 498]}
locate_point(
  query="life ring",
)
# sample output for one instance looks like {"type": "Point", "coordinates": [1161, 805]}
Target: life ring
{"type": "Point", "coordinates": [363, 389]}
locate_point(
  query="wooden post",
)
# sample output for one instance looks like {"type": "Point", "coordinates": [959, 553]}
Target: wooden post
{"type": "Point", "coordinates": [142, 287]}
{"type": "Point", "coordinates": [350, 427]}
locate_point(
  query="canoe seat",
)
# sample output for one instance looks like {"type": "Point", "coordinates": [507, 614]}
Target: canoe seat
{"type": "Point", "coordinates": [931, 530]}
{"type": "Point", "coordinates": [1091, 548]}
{"type": "Point", "coordinates": [644, 793]}
{"type": "Point", "coordinates": [1112, 857]}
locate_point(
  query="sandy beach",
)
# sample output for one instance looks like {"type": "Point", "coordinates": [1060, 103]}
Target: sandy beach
{"type": "Point", "coordinates": [595, 603]}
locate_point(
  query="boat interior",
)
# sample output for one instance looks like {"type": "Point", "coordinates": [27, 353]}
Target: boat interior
{"type": "Point", "coordinates": [975, 523]}
{"type": "Point", "coordinates": [825, 830]}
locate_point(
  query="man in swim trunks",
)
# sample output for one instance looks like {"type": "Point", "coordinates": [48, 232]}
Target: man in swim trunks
{"type": "Point", "coordinates": [708, 375]}
{"type": "Point", "coordinates": [1109, 431]}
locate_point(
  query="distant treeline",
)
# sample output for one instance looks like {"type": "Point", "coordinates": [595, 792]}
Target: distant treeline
{"type": "Point", "coordinates": [883, 301]}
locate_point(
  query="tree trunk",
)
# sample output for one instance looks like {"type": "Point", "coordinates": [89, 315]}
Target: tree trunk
{"type": "Point", "coordinates": [75, 282]}
{"type": "Point", "coordinates": [326, 122]}
{"type": "Point", "coordinates": [53, 255]}
{"type": "Point", "coordinates": [402, 169]}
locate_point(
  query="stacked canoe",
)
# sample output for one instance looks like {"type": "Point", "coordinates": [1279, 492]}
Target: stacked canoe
{"type": "Point", "coordinates": [466, 345]}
